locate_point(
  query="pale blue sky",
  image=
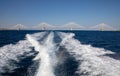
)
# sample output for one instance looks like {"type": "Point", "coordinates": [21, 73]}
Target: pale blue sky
{"type": "Point", "coordinates": [59, 12]}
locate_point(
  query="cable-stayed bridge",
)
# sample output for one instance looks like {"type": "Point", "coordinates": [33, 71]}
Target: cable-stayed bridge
{"type": "Point", "coordinates": [68, 26]}
{"type": "Point", "coordinates": [75, 26]}
{"type": "Point", "coordinates": [102, 27]}
{"type": "Point", "coordinates": [18, 27]}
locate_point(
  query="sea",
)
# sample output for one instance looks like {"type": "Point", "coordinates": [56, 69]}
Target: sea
{"type": "Point", "coordinates": [59, 53]}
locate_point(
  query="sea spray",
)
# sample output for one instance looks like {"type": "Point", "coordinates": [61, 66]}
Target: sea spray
{"type": "Point", "coordinates": [46, 55]}
{"type": "Point", "coordinates": [92, 61]}
{"type": "Point", "coordinates": [12, 52]}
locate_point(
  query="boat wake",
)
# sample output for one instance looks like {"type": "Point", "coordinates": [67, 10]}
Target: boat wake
{"type": "Point", "coordinates": [57, 54]}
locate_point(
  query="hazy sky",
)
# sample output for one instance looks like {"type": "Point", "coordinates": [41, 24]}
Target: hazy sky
{"type": "Point", "coordinates": [58, 12]}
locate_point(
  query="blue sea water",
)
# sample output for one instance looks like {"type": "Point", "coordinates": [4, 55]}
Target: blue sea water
{"type": "Point", "coordinates": [107, 40]}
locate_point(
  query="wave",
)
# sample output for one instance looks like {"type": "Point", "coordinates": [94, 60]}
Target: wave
{"type": "Point", "coordinates": [11, 53]}
{"type": "Point", "coordinates": [46, 55]}
{"type": "Point", "coordinates": [92, 61]}
{"type": "Point", "coordinates": [51, 48]}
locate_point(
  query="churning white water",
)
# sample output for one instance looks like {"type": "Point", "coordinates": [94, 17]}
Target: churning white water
{"type": "Point", "coordinates": [92, 61]}
{"type": "Point", "coordinates": [11, 52]}
{"type": "Point", "coordinates": [46, 55]}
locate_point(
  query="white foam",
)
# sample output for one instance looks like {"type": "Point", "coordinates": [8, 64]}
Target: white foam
{"type": "Point", "coordinates": [39, 35]}
{"type": "Point", "coordinates": [93, 61]}
{"type": "Point", "coordinates": [46, 55]}
{"type": "Point", "coordinates": [11, 52]}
